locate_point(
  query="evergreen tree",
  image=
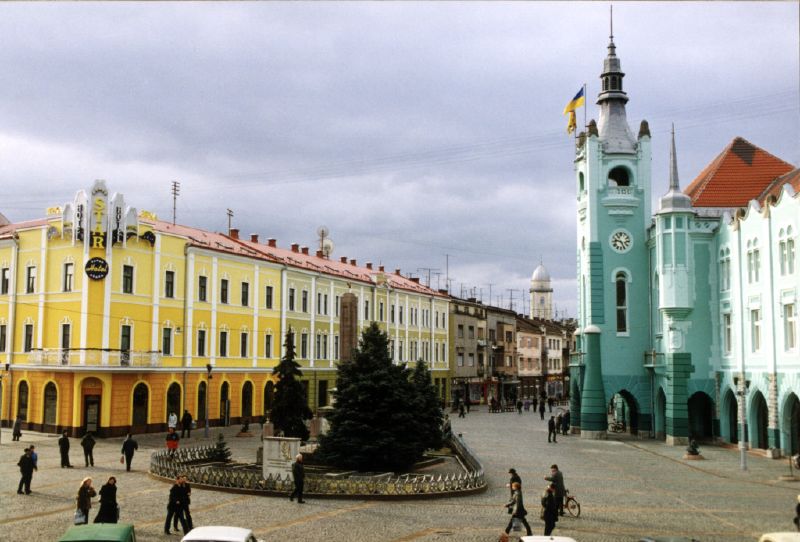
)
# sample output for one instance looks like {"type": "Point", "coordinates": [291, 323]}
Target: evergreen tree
{"type": "Point", "coordinates": [428, 407]}
{"type": "Point", "coordinates": [373, 425]}
{"type": "Point", "coordinates": [221, 451]}
{"type": "Point", "coordinates": [290, 409]}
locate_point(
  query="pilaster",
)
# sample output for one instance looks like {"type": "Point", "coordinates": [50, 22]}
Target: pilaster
{"type": "Point", "coordinates": [773, 427]}
{"type": "Point", "coordinates": [679, 367]}
{"type": "Point", "coordinates": [594, 421]}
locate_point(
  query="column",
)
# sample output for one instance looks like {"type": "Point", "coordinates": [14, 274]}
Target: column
{"type": "Point", "coordinates": [679, 366]}
{"type": "Point", "coordinates": [593, 418]}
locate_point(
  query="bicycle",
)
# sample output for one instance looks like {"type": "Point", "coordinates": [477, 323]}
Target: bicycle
{"type": "Point", "coordinates": [616, 427]}
{"type": "Point", "coordinates": [571, 504]}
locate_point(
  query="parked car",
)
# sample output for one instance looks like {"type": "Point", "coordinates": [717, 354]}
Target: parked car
{"type": "Point", "coordinates": [780, 537]}
{"type": "Point", "coordinates": [217, 533]}
{"type": "Point", "coordinates": [547, 539]}
{"type": "Point", "coordinates": [100, 532]}
{"type": "Point", "coordinates": [667, 539]}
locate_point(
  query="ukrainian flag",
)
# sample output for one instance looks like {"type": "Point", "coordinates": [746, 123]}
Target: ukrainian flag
{"type": "Point", "coordinates": [574, 104]}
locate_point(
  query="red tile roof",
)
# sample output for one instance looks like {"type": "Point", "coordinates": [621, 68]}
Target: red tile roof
{"type": "Point", "coordinates": [774, 188]}
{"type": "Point", "coordinates": [739, 174]}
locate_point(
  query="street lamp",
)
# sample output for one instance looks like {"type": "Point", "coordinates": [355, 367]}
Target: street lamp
{"type": "Point", "coordinates": [8, 365]}
{"type": "Point", "coordinates": [209, 368]}
{"type": "Point", "coordinates": [741, 391]}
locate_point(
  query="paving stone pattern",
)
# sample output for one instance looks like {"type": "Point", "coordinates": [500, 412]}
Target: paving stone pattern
{"type": "Point", "coordinates": [626, 488]}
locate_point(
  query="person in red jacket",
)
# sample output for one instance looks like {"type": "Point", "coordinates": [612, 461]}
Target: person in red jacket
{"type": "Point", "coordinates": [172, 441]}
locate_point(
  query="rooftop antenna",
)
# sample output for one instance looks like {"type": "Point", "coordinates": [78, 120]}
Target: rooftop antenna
{"type": "Point", "coordinates": [176, 190]}
{"type": "Point", "coordinates": [325, 242]}
{"type": "Point", "coordinates": [230, 216]}
{"type": "Point", "coordinates": [510, 298]}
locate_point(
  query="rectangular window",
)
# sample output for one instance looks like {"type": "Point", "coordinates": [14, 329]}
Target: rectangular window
{"type": "Point", "coordinates": [471, 360]}
{"type": "Point", "coordinates": [755, 330]}
{"type": "Point", "coordinates": [268, 346]}
{"type": "Point", "coordinates": [322, 393]}
{"type": "Point", "coordinates": [305, 301]}
{"type": "Point", "coordinates": [28, 346]}
{"type": "Point", "coordinates": [202, 289]}
{"type": "Point", "coordinates": [471, 332]}
{"type": "Point", "coordinates": [268, 301]}
{"type": "Point", "coordinates": [444, 352]}
{"type": "Point", "coordinates": [325, 304]}
{"type": "Point", "coordinates": [223, 291]}
{"type": "Point", "coordinates": [789, 327]}
{"type": "Point", "coordinates": [127, 279]}
{"type": "Point", "coordinates": [391, 314]}
{"type": "Point", "coordinates": [69, 276]}
{"type": "Point", "coordinates": [509, 336]}
{"type": "Point", "coordinates": [245, 294]}
{"type": "Point", "coordinates": [336, 347]}
{"type": "Point", "coordinates": [3, 338]}
{"type": "Point", "coordinates": [243, 344]}
{"type": "Point", "coordinates": [782, 256]}
{"type": "Point", "coordinates": [337, 305]}
{"type": "Point", "coordinates": [400, 313]}
{"type": "Point", "coordinates": [400, 351]}
{"type": "Point", "coordinates": [169, 284]}
{"type": "Point", "coordinates": [318, 345]}
{"type": "Point", "coordinates": [728, 333]}
{"type": "Point", "coordinates": [319, 303]}
{"type": "Point", "coordinates": [166, 341]}
{"type": "Point", "coordinates": [291, 299]}
{"type": "Point", "coordinates": [366, 309]}
{"type": "Point", "coordinates": [223, 344]}
{"type": "Point", "coordinates": [4, 281]}
{"type": "Point", "coordinates": [125, 341]}
{"type": "Point", "coordinates": [460, 331]}
{"type": "Point", "coordinates": [790, 256]}
{"type": "Point", "coordinates": [380, 312]}
{"type": "Point", "coordinates": [304, 346]}
{"type": "Point", "coordinates": [30, 280]}
{"type": "Point", "coordinates": [437, 319]}
{"type": "Point", "coordinates": [201, 342]}
{"type": "Point", "coordinates": [324, 347]}
{"type": "Point", "coordinates": [460, 359]}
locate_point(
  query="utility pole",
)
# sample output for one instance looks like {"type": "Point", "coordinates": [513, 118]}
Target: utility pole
{"type": "Point", "coordinates": [176, 190]}
{"type": "Point", "coordinates": [490, 292]}
{"type": "Point", "coordinates": [447, 271]}
{"type": "Point", "coordinates": [230, 216]}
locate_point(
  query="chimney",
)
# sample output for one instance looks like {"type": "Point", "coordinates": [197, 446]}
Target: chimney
{"type": "Point", "coordinates": [443, 291]}
{"type": "Point", "coordinates": [295, 247]}
{"type": "Point", "coordinates": [343, 259]}
{"type": "Point", "coordinates": [254, 238]}
{"type": "Point", "coordinates": [353, 262]}
{"type": "Point", "coordinates": [272, 242]}
{"type": "Point", "coordinates": [415, 279]}
{"type": "Point", "coordinates": [319, 254]}
{"type": "Point", "coordinates": [234, 233]}
{"type": "Point", "coordinates": [380, 268]}
{"type": "Point", "coordinates": [369, 265]}
{"type": "Point", "coordinates": [304, 250]}
{"type": "Point", "coordinates": [397, 271]}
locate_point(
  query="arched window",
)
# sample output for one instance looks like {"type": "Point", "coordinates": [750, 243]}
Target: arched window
{"type": "Point", "coordinates": [141, 398]}
{"type": "Point", "coordinates": [619, 177]}
{"type": "Point", "coordinates": [605, 84]}
{"type": "Point", "coordinates": [174, 400]}
{"type": "Point", "coordinates": [201, 401]}
{"type": "Point", "coordinates": [580, 182]}
{"type": "Point", "coordinates": [224, 397]}
{"type": "Point", "coordinates": [50, 404]}
{"type": "Point", "coordinates": [22, 401]}
{"type": "Point", "coordinates": [621, 282]}
{"type": "Point", "coordinates": [614, 82]}
{"type": "Point", "coordinates": [247, 400]}
{"type": "Point", "coordinates": [269, 396]}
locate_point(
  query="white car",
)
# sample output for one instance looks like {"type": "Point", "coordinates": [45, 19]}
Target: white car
{"type": "Point", "coordinates": [780, 537]}
{"type": "Point", "coordinates": [547, 539]}
{"type": "Point", "coordinates": [218, 533]}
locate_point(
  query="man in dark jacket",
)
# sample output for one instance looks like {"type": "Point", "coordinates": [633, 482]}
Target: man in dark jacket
{"type": "Point", "coordinates": [186, 424]}
{"type": "Point", "coordinates": [514, 479]}
{"type": "Point", "coordinates": [549, 509]}
{"type": "Point", "coordinates": [550, 404]}
{"type": "Point", "coordinates": [128, 447]}
{"type": "Point", "coordinates": [87, 443]}
{"type": "Point", "coordinates": [299, 475]}
{"type": "Point", "coordinates": [517, 509]}
{"type": "Point", "coordinates": [187, 493]}
{"type": "Point", "coordinates": [551, 429]}
{"type": "Point", "coordinates": [556, 478]}
{"type": "Point", "coordinates": [26, 468]}
{"type": "Point", "coordinates": [177, 498]}
{"type": "Point", "coordinates": [541, 409]}
{"type": "Point", "coordinates": [63, 447]}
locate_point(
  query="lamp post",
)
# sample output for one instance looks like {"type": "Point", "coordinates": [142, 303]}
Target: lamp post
{"type": "Point", "coordinates": [8, 365]}
{"type": "Point", "coordinates": [209, 368]}
{"type": "Point", "coordinates": [742, 385]}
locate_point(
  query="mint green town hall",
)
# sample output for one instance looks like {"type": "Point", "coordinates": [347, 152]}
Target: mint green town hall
{"type": "Point", "coordinates": [688, 325]}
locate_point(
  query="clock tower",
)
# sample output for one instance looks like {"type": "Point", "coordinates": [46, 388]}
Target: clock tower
{"type": "Point", "coordinates": [612, 175]}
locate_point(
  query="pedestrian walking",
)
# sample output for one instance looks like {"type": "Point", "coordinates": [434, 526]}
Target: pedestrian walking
{"type": "Point", "coordinates": [557, 479]}
{"type": "Point", "coordinates": [796, 513]}
{"type": "Point", "coordinates": [541, 409]}
{"type": "Point", "coordinates": [558, 422]}
{"type": "Point", "coordinates": [550, 404]}
{"type": "Point", "coordinates": [187, 500]}
{"type": "Point", "coordinates": [519, 407]}
{"type": "Point", "coordinates": [461, 409]}
{"type": "Point", "coordinates": [565, 423]}
{"type": "Point", "coordinates": [128, 447]}
{"type": "Point", "coordinates": [534, 404]}
{"type": "Point", "coordinates": [84, 499]}
{"type": "Point", "coordinates": [299, 475]}
{"type": "Point", "coordinates": [35, 457]}
{"type": "Point", "coordinates": [186, 424]}
{"type": "Point", "coordinates": [549, 510]}
{"type": "Point", "coordinates": [26, 467]}
{"type": "Point", "coordinates": [16, 431]}
{"type": "Point", "coordinates": [109, 509]}
{"type": "Point", "coordinates": [63, 448]}
{"type": "Point", "coordinates": [515, 479]}
{"type": "Point", "coordinates": [467, 403]}
{"type": "Point", "coordinates": [517, 509]}
{"type": "Point", "coordinates": [175, 506]}
{"type": "Point", "coordinates": [172, 441]}
{"type": "Point", "coordinates": [551, 429]}
{"type": "Point", "coordinates": [87, 443]}
{"type": "Point", "coordinates": [172, 421]}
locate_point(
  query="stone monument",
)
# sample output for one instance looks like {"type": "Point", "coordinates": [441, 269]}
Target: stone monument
{"type": "Point", "coordinates": [279, 453]}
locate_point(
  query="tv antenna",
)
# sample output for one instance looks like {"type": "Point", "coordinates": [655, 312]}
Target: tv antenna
{"type": "Point", "coordinates": [176, 190]}
{"type": "Point", "coordinates": [325, 242]}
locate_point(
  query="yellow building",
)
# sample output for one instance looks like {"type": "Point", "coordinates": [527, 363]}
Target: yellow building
{"type": "Point", "coordinates": [111, 319]}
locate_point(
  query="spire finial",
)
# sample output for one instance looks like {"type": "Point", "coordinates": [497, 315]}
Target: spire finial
{"type": "Point", "coordinates": [673, 164]}
{"type": "Point", "coordinates": [611, 18]}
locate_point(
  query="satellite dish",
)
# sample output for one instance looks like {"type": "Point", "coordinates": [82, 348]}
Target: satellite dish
{"type": "Point", "coordinates": [327, 247]}
{"type": "Point", "coordinates": [323, 231]}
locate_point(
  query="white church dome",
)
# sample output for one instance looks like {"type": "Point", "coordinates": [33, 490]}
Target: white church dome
{"type": "Point", "coordinates": [540, 274]}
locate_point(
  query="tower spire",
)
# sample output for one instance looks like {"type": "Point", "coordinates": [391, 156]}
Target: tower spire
{"type": "Point", "coordinates": [613, 125]}
{"type": "Point", "coordinates": [674, 184]}
{"type": "Point", "coordinates": [674, 199]}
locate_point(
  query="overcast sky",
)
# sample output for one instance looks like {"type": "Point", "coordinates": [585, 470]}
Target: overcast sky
{"type": "Point", "coordinates": [411, 130]}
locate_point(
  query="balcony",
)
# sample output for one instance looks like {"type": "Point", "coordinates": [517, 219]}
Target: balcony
{"type": "Point", "coordinates": [57, 357]}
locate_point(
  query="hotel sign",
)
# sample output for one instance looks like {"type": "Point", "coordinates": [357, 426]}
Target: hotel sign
{"type": "Point", "coordinates": [96, 268]}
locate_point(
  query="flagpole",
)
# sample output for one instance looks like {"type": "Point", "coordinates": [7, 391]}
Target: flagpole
{"type": "Point", "coordinates": [584, 107]}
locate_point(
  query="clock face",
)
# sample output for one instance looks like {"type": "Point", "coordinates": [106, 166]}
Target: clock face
{"type": "Point", "coordinates": [620, 241]}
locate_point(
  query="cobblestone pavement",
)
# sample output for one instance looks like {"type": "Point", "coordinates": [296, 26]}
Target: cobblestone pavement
{"type": "Point", "coordinates": [626, 489]}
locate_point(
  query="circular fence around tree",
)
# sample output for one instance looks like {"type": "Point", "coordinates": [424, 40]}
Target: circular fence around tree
{"type": "Point", "coordinates": [198, 465]}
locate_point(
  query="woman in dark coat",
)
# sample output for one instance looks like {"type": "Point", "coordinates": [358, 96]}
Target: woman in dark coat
{"type": "Point", "coordinates": [84, 498]}
{"type": "Point", "coordinates": [549, 509]}
{"type": "Point", "coordinates": [16, 432]}
{"type": "Point", "coordinates": [517, 509]}
{"type": "Point", "coordinates": [109, 511]}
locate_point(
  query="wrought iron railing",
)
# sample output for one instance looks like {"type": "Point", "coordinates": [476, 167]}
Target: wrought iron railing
{"type": "Point", "coordinates": [194, 463]}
